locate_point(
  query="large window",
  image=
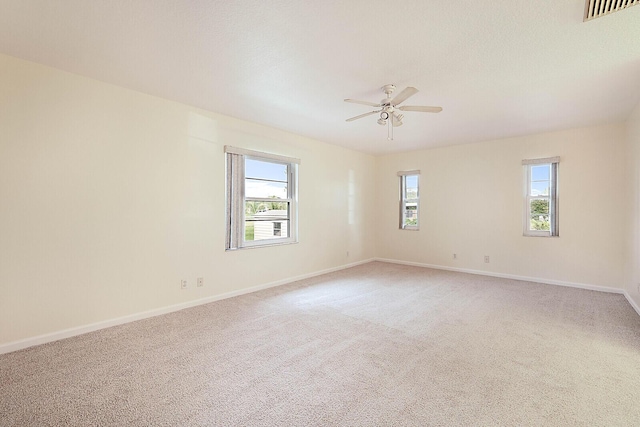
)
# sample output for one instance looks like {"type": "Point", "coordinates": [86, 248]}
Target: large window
{"type": "Point", "coordinates": [261, 199]}
{"type": "Point", "coordinates": [541, 197]}
{"type": "Point", "coordinates": [409, 199]}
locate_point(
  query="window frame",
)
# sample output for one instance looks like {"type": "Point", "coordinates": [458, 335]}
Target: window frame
{"type": "Point", "coordinates": [404, 200]}
{"type": "Point", "coordinates": [236, 198]}
{"type": "Point", "coordinates": [553, 163]}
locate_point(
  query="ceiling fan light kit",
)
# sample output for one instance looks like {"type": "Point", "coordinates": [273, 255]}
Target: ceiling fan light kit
{"type": "Point", "coordinates": [388, 108]}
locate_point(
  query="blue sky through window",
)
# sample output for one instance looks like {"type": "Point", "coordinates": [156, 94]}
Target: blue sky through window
{"type": "Point", "coordinates": [265, 171]}
{"type": "Point", "coordinates": [540, 173]}
{"type": "Point", "coordinates": [540, 180]}
{"type": "Point", "coordinates": [411, 186]}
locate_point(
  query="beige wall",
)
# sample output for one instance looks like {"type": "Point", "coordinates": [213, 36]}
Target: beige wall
{"type": "Point", "coordinates": [633, 259]}
{"type": "Point", "coordinates": [471, 204]}
{"type": "Point", "coordinates": [109, 197]}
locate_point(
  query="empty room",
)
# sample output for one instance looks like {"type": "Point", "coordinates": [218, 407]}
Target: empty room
{"type": "Point", "coordinates": [344, 213]}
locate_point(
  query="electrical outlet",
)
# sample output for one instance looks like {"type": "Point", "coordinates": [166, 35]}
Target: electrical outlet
{"type": "Point", "coordinates": [200, 282]}
{"type": "Point", "coordinates": [347, 253]}
{"type": "Point", "coordinates": [486, 259]}
{"type": "Point", "coordinates": [639, 288]}
{"type": "Point", "coordinates": [455, 256]}
{"type": "Point", "coordinates": [183, 284]}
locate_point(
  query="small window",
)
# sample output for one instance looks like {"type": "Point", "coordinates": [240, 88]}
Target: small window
{"type": "Point", "coordinates": [261, 199]}
{"type": "Point", "coordinates": [409, 200]}
{"type": "Point", "coordinates": [541, 197]}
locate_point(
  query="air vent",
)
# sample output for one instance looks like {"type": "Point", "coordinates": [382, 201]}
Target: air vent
{"type": "Point", "coordinates": [597, 8]}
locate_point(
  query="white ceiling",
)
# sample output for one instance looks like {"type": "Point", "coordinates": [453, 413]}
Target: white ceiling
{"type": "Point", "coordinates": [498, 68]}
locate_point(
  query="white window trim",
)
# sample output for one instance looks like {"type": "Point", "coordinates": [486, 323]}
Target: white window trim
{"type": "Point", "coordinates": [553, 198]}
{"type": "Point", "coordinates": [253, 153]}
{"type": "Point", "coordinates": [235, 196]}
{"type": "Point", "coordinates": [403, 201]}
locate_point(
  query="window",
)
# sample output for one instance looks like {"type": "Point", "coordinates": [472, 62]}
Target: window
{"type": "Point", "coordinates": [409, 201]}
{"type": "Point", "coordinates": [541, 200]}
{"type": "Point", "coordinates": [261, 199]}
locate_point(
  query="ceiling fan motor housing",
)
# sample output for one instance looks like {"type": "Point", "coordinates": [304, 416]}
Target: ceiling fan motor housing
{"type": "Point", "coordinates": [388, 89]}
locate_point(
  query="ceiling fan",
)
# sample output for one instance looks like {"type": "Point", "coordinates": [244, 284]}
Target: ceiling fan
{"type": "Point", "coordinates": [389, 110]}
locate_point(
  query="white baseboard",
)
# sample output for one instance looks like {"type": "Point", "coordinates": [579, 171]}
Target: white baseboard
{"type": "Point", "coordinates": [635, 306]}
{"type": "Point", "coordinates": [71, 332]}
{"type": "Point", "coordinates": [507, 276]}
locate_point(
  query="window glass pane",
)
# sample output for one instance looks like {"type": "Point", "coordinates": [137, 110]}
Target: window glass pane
{"type": "Point", "coordinates": [263, 230]}
{"type": "Point", "coordinates": [539, 215]}
{"type": "Point", "coordinates": [540, 172]}
{"type": "Point", "coordinates": [411, 187]}
{"type": "Point", "coordinates": [539, 207]}
{"type": "Point", "coordinates": [265, 170]}
{"type": "Point", "coordinates": [265, 189]}
{"type": "Point", "coordinates": [410, 214]}
{"type": "Point", "coordinates": [265, 211]}
{"type": "Point", "coordinates": [540, 223]}
{"type": "Point", "coordinates": [540, 188]}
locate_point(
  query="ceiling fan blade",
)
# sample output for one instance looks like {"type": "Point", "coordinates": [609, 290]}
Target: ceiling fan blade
{"type": "Point", "coordinates": [423, 109]}
{"type": "Point", "coordinates": [363, 115]}
{"type": "Point", "coordinates": [355, 101]}
{"type": "Point", "coordinates": [406, 93]}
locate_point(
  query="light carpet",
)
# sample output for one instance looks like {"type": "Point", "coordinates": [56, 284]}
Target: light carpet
{"type": "Point", "coordinates": [375, 345]}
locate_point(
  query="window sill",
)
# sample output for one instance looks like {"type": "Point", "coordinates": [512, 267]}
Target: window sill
{"type": "Point", "coordinates": [266, 245]}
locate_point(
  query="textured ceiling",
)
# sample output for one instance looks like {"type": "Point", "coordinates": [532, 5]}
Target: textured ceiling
{"type": "Point", "coordinates": [498, 68]}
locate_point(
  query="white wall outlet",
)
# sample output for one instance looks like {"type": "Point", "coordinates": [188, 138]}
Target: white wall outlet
{"type": "Point", "coordinates": [486, 258]}
{"type": "Point", "coordinates": [200, 282]}
{"type": "Point", "coordinates": [455, 256]}
{"type": "Point", "coordinates": [639, 288]}
{"type": "Point", "coordinates": [347, 253]}
{"type": "Point", "coordinates": [183, 284]}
